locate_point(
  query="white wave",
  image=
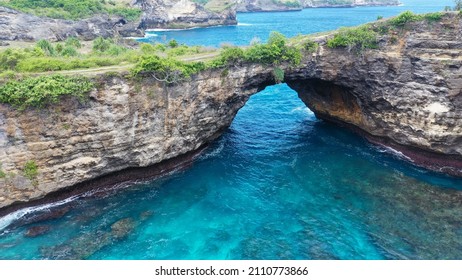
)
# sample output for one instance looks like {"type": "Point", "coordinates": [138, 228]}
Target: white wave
{"type": "Point", "coordinates": [301, 108]}
{"type": "Point", "coordinates": [389, 150]}
{"type": "Point", "coordinates": [16, 215]}
{"type": "Point", "coordinates": [215, 151]}
{"type": "Point", "coordinates": [168, 30]}
{"type": "Point", "coordinates": [244, 24]}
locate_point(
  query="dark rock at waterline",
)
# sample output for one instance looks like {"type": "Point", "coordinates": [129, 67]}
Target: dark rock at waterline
{"type": "Point", "coordinates": [51, 214]}
{"type": "Point", "coordinates": [87, 244]}
{"type": "Point", "coordinates": [37, 231]}
{"type": "Point", "coordinates": [41, 216]}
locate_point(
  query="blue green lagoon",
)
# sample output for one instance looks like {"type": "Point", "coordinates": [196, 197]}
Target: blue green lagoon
{"type": "Point", "coordinates": [279, 184]}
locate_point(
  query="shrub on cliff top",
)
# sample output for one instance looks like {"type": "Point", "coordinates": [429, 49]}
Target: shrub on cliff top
{"type": "Point", "coordinates": [43, 90]}
{"type": "Point", "coordinates": [358, 38]}
{"type": "Point", "coordinates": [167, 70]}
{"type": "Point", "coordinates": [274, 52]}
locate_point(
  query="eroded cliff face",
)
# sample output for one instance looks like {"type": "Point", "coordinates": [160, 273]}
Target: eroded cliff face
{"type": "Point", "coordinates": [248, 6]}
{"type": "Point", "coordinates": [17, 26]}
{"type": "Point", "coordinates": [182, 14]}
{"type": "Point", "coordinates": [124, 124]}
{"type": "Point", "coordinates": [407, 94]}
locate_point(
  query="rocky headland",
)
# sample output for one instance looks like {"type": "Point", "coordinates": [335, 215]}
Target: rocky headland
{"type": "Point", "coordinates": [175, 14]}
{"type": "Point", "coordinates": [347, 3]}
{"type": "Point", "coordinates": [249, 6]}
{"type": "Point", "coordinates": [405, 94]}
{"type": "Point", "coordinates": [170, 14]}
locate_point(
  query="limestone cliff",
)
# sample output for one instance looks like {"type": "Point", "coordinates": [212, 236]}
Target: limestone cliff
{"type": "Point", "coordinates": [406, 94]}
{"type": "Point", "coordinates": [17, 26]}
{"type": "Point", "coordinates": [268, 5]}
{"type": "Point", "coordinates": [125, 124]}
{"type": "Point", "coordinates": [182, 14]}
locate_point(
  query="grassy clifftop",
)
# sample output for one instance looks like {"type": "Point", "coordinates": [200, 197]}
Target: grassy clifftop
{"type": "Point", "coordinates": [74, 10]}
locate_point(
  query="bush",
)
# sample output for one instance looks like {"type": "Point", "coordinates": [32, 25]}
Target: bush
{"type": "Point", "coordinates": [228, 56]}
{"type": "Point", "coordinates": [101, 45]}
{"type": "Point", "coordinates": [183, 50]}
{"type": "Point", "coordinates": [30, 170]}
{"type": "Point", "coordinates": [433, 16]}
{"type": "Point", "coordinates": [130, 14]}
{"type": "Point", "coordinates": [167, 69]}
{"type": "Point", "coordinates": [70, 9]}
{"type": "Point", "coordinates": [311, 46]}
{"type": "Point", "coordinates": [69, 51]}
{"type": "Point", "coordinates": [404, 18]}
{"type": "Point", "coordinates": [73, 42]}
{"type": "Point", "coordinates": [46, 46]}
{"type": "Point", "coordinates": [358, 38]}
{"type": "Point", "coordinates": [273, 52]}
{"type": "Point", "coordinates": [278, 74]}
{"type": "Point", "coordinates": [43, 90]}
{"type": "Point", "coordinates": [173, 43]}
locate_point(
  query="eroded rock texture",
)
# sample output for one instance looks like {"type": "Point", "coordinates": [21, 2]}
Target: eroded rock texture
{"type": "Point", "coordinates": [125, 124]}
{"type": "Point", "coordinates": [17, 26]}
{"type": "Point", "coordinates": [407, 94]}
{"type": "Point", "coordinates": [182, 14]}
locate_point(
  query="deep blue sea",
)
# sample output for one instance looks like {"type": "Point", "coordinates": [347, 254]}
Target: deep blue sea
{"type": "Point", "coordinates": [279, 184]}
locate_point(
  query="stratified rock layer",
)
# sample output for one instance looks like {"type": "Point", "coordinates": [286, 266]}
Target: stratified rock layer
{"type": "Point", "coordinates": [17, 26]}
{"type": "Point", "coordinates": [181, 14]}
{"type": "Point", "coordinates": [124, 124]}
{"type": "Point", "coordinates": [407, 94]}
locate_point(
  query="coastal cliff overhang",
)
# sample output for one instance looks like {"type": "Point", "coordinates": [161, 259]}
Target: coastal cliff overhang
{"type": "Point", "coordinates": [405, 94]}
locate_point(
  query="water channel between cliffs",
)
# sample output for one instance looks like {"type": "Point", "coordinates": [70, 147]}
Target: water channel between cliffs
{"type": "Point", "coordinates": [279, 184]}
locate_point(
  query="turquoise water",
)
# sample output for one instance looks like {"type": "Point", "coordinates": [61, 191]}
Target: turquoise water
{"type": "Point", "coordinates": [259, 25]}
{"type": "Point", "coordinates": [279, 184]}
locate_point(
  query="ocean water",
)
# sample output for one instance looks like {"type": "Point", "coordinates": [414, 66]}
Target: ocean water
{"type": "Point", "coordinates": [279, 184]}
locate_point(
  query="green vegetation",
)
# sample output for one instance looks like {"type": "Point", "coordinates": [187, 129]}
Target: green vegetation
{"type": "Point", "coordinates": [311, 46]}
{"type": "Point", "coordinates": [45, 56]}
{"type": "Point", "coordinates": [358, 38]}
{"type": "Point", "coordinates": [43, 90]}
{"type": "Point", "coordinates": [30, 170]}
{"type": "Point", "coordinates": [408, 16]}
{"type": "Point", "coordinates": [170, 70]}
{"type": "Point", "coordinates": [366, 36]}
{"type": "Point", "coordinates": [166, 69]}
{"type": "Point", "coordinates": [74, 10]}
{"type": "Point", "coordinates": [2, 173]}
{"type": "Point", "coordinates": [278, 75]}
{"type": "Point", "coordinates": [288, 3]}
{"type": "Point", "coordinates": [274, 52]}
